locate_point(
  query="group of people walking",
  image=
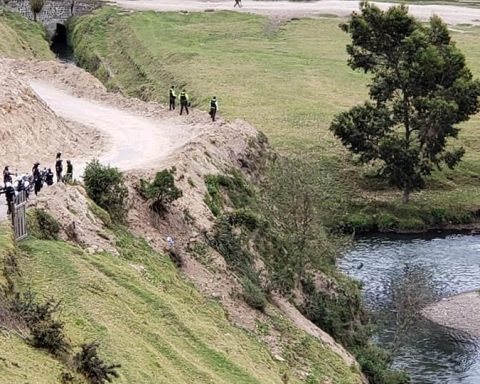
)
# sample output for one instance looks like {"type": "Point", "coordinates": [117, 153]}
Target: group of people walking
{"type": "Point", "coordinates": [184, 100]}
{"type": "Point", "coordinates": [36, 180]}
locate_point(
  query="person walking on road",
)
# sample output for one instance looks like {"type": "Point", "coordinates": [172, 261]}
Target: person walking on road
{"type": "Point", "coordinates": [213, 107]}
{"type": "Point", "coordinates": [172, 97]}
{"type": "Point", "coordinates": [69, 174]}
{"type": "Point", "coordinates": [59, 167]}
{"type": "Point", "coordinates": [184, 99]}
{"type": "Point", "coordinates": [238, 3]}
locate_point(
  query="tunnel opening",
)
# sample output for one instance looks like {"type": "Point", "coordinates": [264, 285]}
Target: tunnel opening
{"type": "Point", "coordinates": [59, 43]}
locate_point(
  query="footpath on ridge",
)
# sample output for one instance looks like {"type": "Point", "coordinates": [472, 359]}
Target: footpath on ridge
{"type": "Point", "coordinates": [451, 14]}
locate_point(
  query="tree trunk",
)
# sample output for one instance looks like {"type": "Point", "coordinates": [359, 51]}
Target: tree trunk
{"type": "Point", "coordinates": [35, 16]}
{"type": "Point", "coordinates": [406, 195]}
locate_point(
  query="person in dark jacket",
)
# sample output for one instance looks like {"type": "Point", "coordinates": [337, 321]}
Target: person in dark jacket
{"type": "Point", "coordinates": [69, 174]}
{"type": "Point", "coordinates": [37, 178]}
{"type": "Point", "coordinates": [49, 177]}
{"type": "Point", "coordinates": [172, 97]}
{"type": "Point", "coordinates": [59, 167]}
{"type": "Point", "coordinates": [10, 195]}
{"type": "Point", "coordinates": [7, 176]}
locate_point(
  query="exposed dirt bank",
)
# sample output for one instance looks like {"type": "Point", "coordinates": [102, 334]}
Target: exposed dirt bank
{"type": "Point", "coordinates": [460, 312]}
{"type": "Point", "coordinates": [285, 9]}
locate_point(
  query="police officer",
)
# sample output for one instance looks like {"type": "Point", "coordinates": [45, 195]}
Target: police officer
{"type": "Point", "coordinates": [184, 102]}
{"type": "Point", "coordinates": [172, 97]}
{"type": "Point", "coordinates": [49, 177]}
{"type": "Point", "coordinates": [213, 107]}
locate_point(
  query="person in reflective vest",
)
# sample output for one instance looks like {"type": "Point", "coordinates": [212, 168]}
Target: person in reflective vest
{"type": "Point", "coordinates": [172, 97]}
{"type": "Point", "coordinates": [213, 107]}
{"type": "Point", "coordinates": [184, 102]}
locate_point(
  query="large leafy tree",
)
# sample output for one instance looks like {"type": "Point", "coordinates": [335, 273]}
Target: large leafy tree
{"type": "Point", "coordinates": [420, 89]}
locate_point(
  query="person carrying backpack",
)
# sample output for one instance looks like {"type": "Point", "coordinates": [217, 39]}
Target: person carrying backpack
{"type": "Point", "coordinates": [59, 167]}
{"type": "Point", "coordinates": [213, 107]}
{"type": "Point", "coordinates": [184, 102]}
{"type": "Point", "coordinates": [172, 97]}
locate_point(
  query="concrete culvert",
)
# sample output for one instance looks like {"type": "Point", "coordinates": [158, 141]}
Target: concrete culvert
{"type": "Point", "coordinates": [59, 44]}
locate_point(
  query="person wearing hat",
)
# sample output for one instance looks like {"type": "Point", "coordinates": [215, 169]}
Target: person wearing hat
{"type": "Point", "coordinates": [213, 107]}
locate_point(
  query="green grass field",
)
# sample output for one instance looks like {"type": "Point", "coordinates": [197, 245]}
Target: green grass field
{"type": "Point", "coordinates": [289, 82]}
{"type": "Point", "coordinates": [149, 319]}
{"type": "Point", "coordinates": [21, 38]}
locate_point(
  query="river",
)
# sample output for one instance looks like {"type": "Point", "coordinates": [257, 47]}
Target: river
{"type": "Point", "coordinates": [432, 268]}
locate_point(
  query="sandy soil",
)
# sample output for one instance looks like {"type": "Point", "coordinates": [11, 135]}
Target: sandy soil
{"type": "Point", "coordinates": [460, 312]}
{"type": "Point", "coordinates": [284, 9]}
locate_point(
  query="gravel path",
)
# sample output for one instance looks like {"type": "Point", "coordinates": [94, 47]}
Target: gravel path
{"type": "Point", "coordinates": [451, 14]}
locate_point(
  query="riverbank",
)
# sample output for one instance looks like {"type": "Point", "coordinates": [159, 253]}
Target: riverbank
{"type": "Point", "coordinates": [461, 312]}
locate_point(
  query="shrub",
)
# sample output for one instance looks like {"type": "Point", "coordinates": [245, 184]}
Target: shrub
{"type": "Point", "coordinates": [161, 192]}
{"type": "Point", "coordinates": [253, 295]}
{"type": "Point", "coordinates": [90, 365]}
{"type": "Point", "coordinates": [105, 186]}
{"type": "Point", "coordinates": [247, 218]}
{"type": "Point", "coordinates": [42, 225]}
{"type": "Point", "coordinates": [36, 7]}
{"type": "Point", "coordinates": [46, 331]}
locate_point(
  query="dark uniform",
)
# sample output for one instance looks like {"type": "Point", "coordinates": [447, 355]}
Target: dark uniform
{"type": "Point", "coordinates": [69, 174]}
{"type": "Point", "coordinates": [7, 176]}
{"type": "Point", "coordinates": [213, 107]}
{"type": "Point", "coordinates": [59, 167]}
{"type": "Point", "coordinates": [37, 179]}
{"type": "Point", "coordinates": [10, 195]}
{"type": "Point", "coordinates": [238, 3]}
{"type": "Point", "coordinates": [49, 177]}
{"type": "Point", "coordinates": [172, 98]}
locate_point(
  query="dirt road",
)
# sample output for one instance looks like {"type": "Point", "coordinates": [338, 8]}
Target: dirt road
{"type": "Point", "coordinates": [285, 9]}
{"type": "Point", "coordinates": [135, 141]}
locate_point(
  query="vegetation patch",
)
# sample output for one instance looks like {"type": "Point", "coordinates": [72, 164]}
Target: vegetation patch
{"type": "Point", "coordinates": [42, 225]}
{"type": "Point", "coordinates": [161, 192]}
{"type": "Point", "coordinates": [105, 186]}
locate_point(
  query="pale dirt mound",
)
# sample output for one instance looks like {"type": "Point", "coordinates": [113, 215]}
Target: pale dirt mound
{"type": "Point", "coordinates": [30, 131]}
{"type": "Point", "coordinates": [69, 205]}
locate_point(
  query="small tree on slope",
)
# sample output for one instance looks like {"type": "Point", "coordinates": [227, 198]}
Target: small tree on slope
{"type": "Point", "coordinates": [420, 89]}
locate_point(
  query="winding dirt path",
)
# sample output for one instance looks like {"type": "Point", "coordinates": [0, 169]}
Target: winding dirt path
{"type": "Point", "coordinates": [451, 14]}
{"type": "Point", "coordinates": [135, 141]}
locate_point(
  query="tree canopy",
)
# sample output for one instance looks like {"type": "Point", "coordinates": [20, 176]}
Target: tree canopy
{"type": "Point", "coordinates": [420, 89]}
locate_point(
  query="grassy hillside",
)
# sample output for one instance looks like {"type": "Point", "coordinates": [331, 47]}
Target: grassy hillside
{"type": "Point", "coordinates": [149, 319]}
{"type": "Point", "coordinates": [22, 38]}
{"type": "Point", "coordinates": [289, 82]}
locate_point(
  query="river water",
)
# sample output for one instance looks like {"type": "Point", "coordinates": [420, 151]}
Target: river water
{"type": "Point", "coordinates": [436, 267]}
